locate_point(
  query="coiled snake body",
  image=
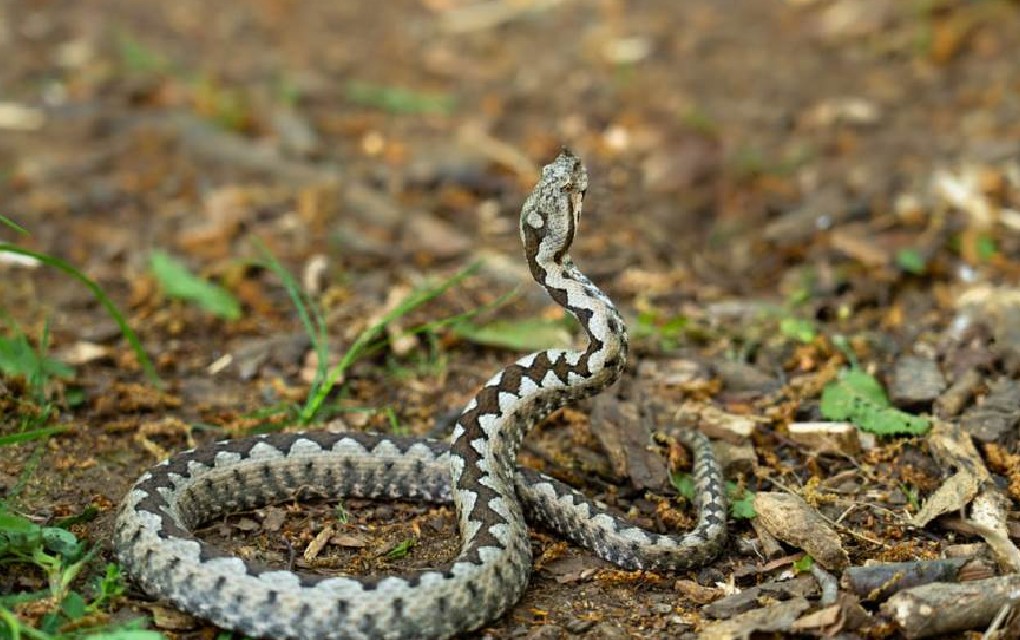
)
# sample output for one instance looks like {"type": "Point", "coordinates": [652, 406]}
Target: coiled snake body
{"type": "Point", "coordinates": [477, 472]}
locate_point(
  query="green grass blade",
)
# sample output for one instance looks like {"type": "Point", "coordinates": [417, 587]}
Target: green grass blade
{"type": "Point", "coordinates": [369, 335]}
{"type": "Point", "coordinates": [525, 334]}
{"type": "Point", "coordinates": [397, 99]}
{"type": "Point", "coordinates": [453, 322]}
{"type": "Point", "coordinates": [308, 312]}
{"type": "Point", "coordinates": [34, 434]}
{"type": "Point", "coordinates": [7, 222]}
{"type": "Point", "coordinates": [100, 295]}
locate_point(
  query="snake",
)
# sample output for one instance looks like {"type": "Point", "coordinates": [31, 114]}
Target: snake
{"type": "Point", "coordinates": [476, 471]}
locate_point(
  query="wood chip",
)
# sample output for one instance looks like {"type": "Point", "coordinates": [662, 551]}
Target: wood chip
{"type": "Point", "coordinates": [736, 458]}
{"type": "Point", "coordinates": [352, 540]}
{"type": "Point", "coordinates": [82, 352]}
{"type": "Point", "coordinates": [989, 513]}
{"type": "Point", "coordinates": [826, 437]}
{"type": "Point", "coordinates": [318, 543]}
{"type": "Point", "coordinates": [17, 117]}
{"type": "Point", "coordinates": [859, 245]}
{"type": "Point", "coordinates": [792, 520]}
{"type": "Point", "coordinates": [953, 495]}
{"type": "Point", "coordinates": [953, 450]}
{"type": "Point", "coordinates": [740, 377]}
{"type": "Point", "coordinates": [769, 547]}
{"type": "Point", "coordinates": [691, 591]}
{"type": "Point", "coordinates": [800, 586]}
{"type": "Point", "coordinates": [716, 423]}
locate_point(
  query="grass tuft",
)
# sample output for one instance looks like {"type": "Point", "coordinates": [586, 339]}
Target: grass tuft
{"type": "Point", "coordinates": [368, 338]}
{"type": "Point", "coordinates": [111, 309]}
{"type": "Point", "coordinates": [66, 609]}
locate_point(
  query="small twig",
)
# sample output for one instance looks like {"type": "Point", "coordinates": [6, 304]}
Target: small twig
{"type": "Point", "coordinates": [827, 582]}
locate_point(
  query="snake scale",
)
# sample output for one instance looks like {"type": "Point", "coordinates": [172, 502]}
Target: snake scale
{"type": "Point", "coordinates": [477, 472]}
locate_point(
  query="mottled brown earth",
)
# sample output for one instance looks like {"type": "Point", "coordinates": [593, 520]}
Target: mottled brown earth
{"type": "Point", "coordinates": [765, 178]}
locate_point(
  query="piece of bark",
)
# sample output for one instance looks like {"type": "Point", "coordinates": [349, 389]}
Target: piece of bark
{"type": "Point", "coordinates": [663, 378]}
{"type": "Point", "coordinates": [280, 351]}
{"type": "Point", "coordinates": [916, 383]}
{"type": "Point", "coordinates": [965, 550]}
{"type": "Point", "coordinates": [695, 593]}
{"type": "Point", "coordinates": [800, 586]}
{"type": "Point", "coordinates": [1006, 623]}
{"type": "Point", "coordinates": [171, 619]}
{"type": "Point", "coordinates": [880, 580]}
{"type": "Point", "coordinates": [940, 608]}
{"type": "Point", "coordinates": [318, 543]}
{"type": "Point", "coordinates": [997, 416]}
{"type": "Point", "coordinates": [859, 243]}
{"type": "Point", "coordinates": [996, 306]}
{"type": "Point", "coordinates": [625, 438]}
{"type": "Point", "coordinates": [795, 522]}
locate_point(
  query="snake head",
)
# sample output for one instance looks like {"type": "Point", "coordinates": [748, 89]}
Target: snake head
{"type": "Point", "coordinates": [550, 215]}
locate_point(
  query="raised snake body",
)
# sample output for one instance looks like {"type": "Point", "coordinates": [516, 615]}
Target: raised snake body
{"type": "Point", "coordinates": [477, 472]}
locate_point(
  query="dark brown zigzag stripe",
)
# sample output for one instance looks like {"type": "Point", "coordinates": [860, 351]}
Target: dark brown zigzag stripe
{"type": "Point", "coordinates": [532, 240]}
{"type": "Point", "coordinates": [487, 403]}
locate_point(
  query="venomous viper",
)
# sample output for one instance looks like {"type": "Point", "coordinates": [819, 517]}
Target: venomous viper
{"type": "Point", "coordinates": [476, 471]}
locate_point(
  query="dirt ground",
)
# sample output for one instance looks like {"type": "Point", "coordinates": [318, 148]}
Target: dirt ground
{"type": "Point", "coordinates": [778, 190]}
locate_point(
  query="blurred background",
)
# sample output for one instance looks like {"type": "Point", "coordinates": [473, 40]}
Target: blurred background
{"type": "Point", "coordinates": [697, 119]}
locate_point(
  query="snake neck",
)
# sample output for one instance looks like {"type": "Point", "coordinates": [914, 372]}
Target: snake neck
{"type": "Point", "coordinates": [497, 419]}
{"type": "Point", "coordinates": [601, 363]}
